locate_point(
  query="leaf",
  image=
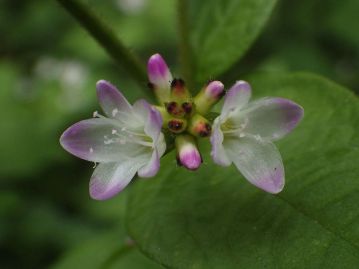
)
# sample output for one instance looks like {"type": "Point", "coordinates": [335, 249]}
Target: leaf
{"type": "Point", "coordinates": [213, 218]}
{"type": "Point", "coordinates": [109, 250]}
{"type": "Point", "coordinates": [222, 31]}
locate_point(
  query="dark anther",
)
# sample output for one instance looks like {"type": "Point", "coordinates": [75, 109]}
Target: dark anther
{"type": "Point", "coordinates": [171, 107]}
{"type": "Point", "coordinates": [209, 81]}
{"type": "Point", "coordinates": [177, 82]}
{"type": "Point", "coordinates": [150, 85]}
{"type": "Point", "coordinates": [206, 131]}
{"type": "Point", "coordinates": [221, 94]}
{"type": "Point", "coordinates": [178, 160]}
{"type": "Point", "coordinates": [175, 125]}
{"type": "Point", "coordinates": [187, 107]}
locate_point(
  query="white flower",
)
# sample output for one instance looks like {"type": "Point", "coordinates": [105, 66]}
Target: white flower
{"type": "Point", "coordinates": [126, 142]}
{"type": "Point", "coordinates": [243, 134]}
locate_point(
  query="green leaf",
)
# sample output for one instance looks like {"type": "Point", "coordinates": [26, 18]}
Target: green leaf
{"type": "Point", "coordinates": [110, 250]}
{"type": "Point", "coordinates": [222, 31]}
{"type": "Point", "coordinates": [213, 218]}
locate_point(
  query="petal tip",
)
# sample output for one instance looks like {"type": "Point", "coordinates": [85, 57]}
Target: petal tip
{"type": "Point", "coordinates": [241, 85]}
{"type": "Point", "coordinates": [294, 112]}
{"type": "Point", "coordinates": [274, 184]}
{"type": "Point", "coordinates": [98, 193]}
{"type": "Point", "coordinates": [67, 139]}
{"type": "Point", "coordinates": [103, 85]}
{"type": "Point", "coordinates": [104, 88]}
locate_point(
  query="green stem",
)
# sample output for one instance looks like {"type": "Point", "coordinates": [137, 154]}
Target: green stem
{"type": "Point", "coordinates": [107, 39]}
{"type": "Point", "coordinates": [184, 44]}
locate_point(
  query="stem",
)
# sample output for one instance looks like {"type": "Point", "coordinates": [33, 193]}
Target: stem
{"type": "Point", "coordinates": [184, 44]}
{"type": "Point", "coordinates": [107, 39]}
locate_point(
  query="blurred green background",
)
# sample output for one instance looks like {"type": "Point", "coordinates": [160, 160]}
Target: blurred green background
{"type": "Point", "coordinates": [48, 69]}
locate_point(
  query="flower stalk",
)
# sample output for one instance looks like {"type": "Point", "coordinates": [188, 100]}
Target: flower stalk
{"type": "Point", "coordinates": [106, 37]}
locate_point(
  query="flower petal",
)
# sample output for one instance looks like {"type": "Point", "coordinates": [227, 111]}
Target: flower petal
{"type": "Point", "coordinates": [108, 179]}
{"type": "Point", "coordinates": [151, 117]}
{"type": "Point", "coordinates": [236, 97]}
{"type": "Point", "coordinates": [111, 100]}
{"type": "Point", "coordinates": [95, 140]}
{"type": "Point", "coordinates": [259, 162]}
{"type": "Point", "coordinates": [218, 153]}
{"type": "Point", "coordinates": [271, 118]}
{"type": "Point", "coordinates": [151, 168]}
{"type": "Point", "coordinates": [160, 76]}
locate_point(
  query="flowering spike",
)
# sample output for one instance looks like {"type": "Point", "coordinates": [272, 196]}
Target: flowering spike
{"type": "Point", "coordinates": [160, 77]}
{"type": "Point", "coordinates": [187, 152]}
{"type": "Point", "coordinates": [208, 96]}
{"type": "Point", "coordinates": [199, 126]}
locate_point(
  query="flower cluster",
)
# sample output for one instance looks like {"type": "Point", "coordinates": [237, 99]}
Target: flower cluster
{"type": "Point", "coordinates": [130, 139]}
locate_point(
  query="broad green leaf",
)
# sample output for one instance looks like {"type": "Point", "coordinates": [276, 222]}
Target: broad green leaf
{"type": "Point", "coordinates": [110, 250]}
{"type": "Point", "coordinates": [213, 218]}
{"type": "Point", "coordinates": [222, 31]}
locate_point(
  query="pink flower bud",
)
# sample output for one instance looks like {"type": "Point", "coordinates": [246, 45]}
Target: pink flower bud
{"type": "Point", "coordinates": [179, 91]}
{"type": "Point", "coordinates": [199, 126]}
{"type": "Point", "coordinates": [160, 77]}
{"type": "Point", "coordinates": [208, 96]}
{"type": "Point", "coordinates": [187, 152]}
{"type": "Point", "coordinates": [214, 90]}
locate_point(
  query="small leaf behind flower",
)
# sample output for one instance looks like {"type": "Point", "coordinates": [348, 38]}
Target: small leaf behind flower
{"type": "Point", "coordinates": [222, 31]}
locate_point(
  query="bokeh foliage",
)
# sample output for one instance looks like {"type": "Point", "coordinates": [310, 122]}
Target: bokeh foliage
{"type": "Point", "coordinates": [48, 69]}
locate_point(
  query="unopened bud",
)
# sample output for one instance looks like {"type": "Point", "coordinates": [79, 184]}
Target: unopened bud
{"type": "Point", "coordinates": [177, 125]}
{"type": "Point", "coordinates": [209, 96]}
{"type": "Point", "coordinates": [179, 91]}
{"type": "Point", "coordinates": [199, 126]}
{"type": "Point", "coordinates": [188, 108]}
{"type": "Point", "coordinates": [187, 152]}
{"type": "Point", "coordinates": [179, 110]}
{"type": "Point", "coordinates": [160, 77]}
{"type": "Point", "coordinates": [174, 109]}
